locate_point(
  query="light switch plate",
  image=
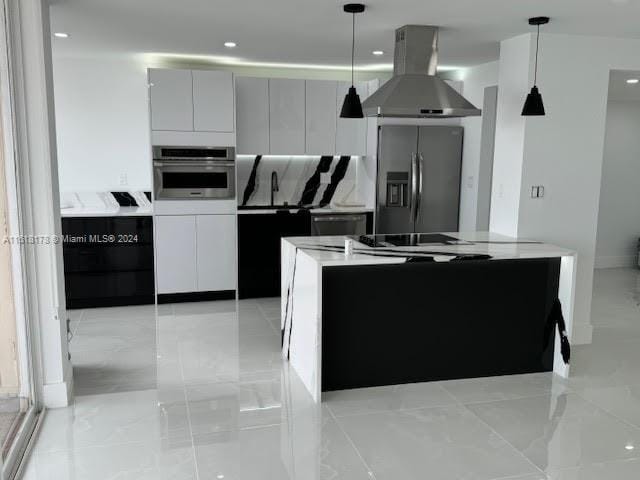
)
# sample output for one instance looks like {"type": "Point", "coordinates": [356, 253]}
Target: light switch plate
{"type": "Point", "coordinates": [537, 191]}
{"type": "Point", "coordinates": [470, 180]}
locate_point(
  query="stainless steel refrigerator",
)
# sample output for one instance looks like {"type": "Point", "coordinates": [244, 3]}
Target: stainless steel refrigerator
{"type": "Point", "coordinates": [418, 188]}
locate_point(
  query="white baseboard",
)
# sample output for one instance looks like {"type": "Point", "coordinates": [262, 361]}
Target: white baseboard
{"type": "Point", "coordinates": [582, 334]}
{"type": "Point", "coordinates": [58, 395]}
{"type": "Point", "coordinates": [9, 391]}
{"type": "Point", "coordinates": [615, 261]}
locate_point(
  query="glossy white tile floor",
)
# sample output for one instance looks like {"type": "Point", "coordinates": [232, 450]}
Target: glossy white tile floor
{"type": "Point", "coordinates": [217, 403]}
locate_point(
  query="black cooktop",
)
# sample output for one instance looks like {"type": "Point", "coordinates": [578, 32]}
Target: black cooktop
{"type": "Point", "coordinates": [407, 240]}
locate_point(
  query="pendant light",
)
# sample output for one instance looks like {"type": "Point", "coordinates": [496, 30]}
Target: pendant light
{"type": "Point", "coordinates": [533, 105]}
{"type": "Point", "coordinates": [352, 108]}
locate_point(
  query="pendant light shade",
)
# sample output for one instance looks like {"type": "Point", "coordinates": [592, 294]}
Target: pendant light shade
{"type": "Point", "coordinates": [533, 105]}
{"type": "Point", "coordinates": [352, 107]}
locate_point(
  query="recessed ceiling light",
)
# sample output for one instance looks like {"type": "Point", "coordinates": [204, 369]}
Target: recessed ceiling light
{"type": "Point", "coordinates": [378, 52]}
{"type": "Point", "coordinates": [629, 447]}
{"type": "Point", "coordinates": [229, 44]}
{"type": "Point", "coordinates": [633, 80]}
{"type": "Point", "coordinates": [61, 35]}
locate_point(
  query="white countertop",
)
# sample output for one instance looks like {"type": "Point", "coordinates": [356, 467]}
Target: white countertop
{"type": "Point", "coordinates": [102, 204]}
{"type": "Point", "coordinates": [324, 210]}
{"type": "Point", "coordinates": [107, 212]}
{"type": "Point", "coordinates": [329, 251]}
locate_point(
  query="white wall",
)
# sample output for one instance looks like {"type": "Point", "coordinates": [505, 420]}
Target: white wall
{"type": "Point", "coordinates": [619, 214]}
{"type": "Point", "coordinates": [103, 124]}
{"type": "Point", "coordinates": [562, 151]}
{"type": "Point", "coordinates": [513, 81]}
{"type": "Point", "coordinates": [475, 80]}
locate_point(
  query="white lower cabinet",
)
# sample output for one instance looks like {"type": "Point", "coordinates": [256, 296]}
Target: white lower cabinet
{"type": "Point", "coordinates": [175, 244]}
{"type": "Point", "coordinates": [195, 253]}
{"type": "Point", "coordinates": [216, 252]}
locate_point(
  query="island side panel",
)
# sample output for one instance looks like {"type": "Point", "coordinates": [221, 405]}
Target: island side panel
{"type": "Point", "coordinates": [301, 321]}
{"type": "Point", "coordinates": [566, 295]}
{"type": "Point", "coordinates": [418, 322]}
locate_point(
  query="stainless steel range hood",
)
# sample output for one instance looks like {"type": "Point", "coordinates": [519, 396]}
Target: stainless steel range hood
{"type": "Point", "coordinates": [415, 91]}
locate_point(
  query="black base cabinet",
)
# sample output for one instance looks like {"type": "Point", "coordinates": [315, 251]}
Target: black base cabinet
{"type": "Point", "coordinates": [423, 322]}
{"type": "Point", "coordinates": [259, 238]}
{"type": "Point", "coordinates": [108, 261]}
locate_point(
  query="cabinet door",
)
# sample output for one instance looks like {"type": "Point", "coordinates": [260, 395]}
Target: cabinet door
{"type": "Point", "coordinates": [286, 113]}
{"type": "Point", "coordinates": [212, 101]}
{"type": "Point", "coordinates": [176, 253]}
{"type": "Point", "coordinates": [320, 117]}
{"type": "Point", "coordinates": [351, 133]}
{"type": "Point", "coordinates": [252, 115]}
{"type": "Point", "coordinates": [171, 96]}
{"type": "Point", "coordinates": [259, 268]}
{"type": "Point", "coordinates": [216, 252]}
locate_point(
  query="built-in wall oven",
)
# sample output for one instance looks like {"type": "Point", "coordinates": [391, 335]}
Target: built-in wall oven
{"type": "Point", "coordinates": [194, 172]}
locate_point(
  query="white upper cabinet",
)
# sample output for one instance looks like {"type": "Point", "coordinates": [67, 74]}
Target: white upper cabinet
{"type": "Point", "coordinates": [287, 116]}
{"type": "Point", "coordinates": [171, 94]}
{"type": "Point", "coordinates": [320, 117]}
{"type": "Point", "coordinates": [191, 101]}
{"type": "Point", "coordinates": [212, 101]}
{"type": "Point", "coordinates": [252, 115]}
{"type": "Point", "coordinates": [351, 133]}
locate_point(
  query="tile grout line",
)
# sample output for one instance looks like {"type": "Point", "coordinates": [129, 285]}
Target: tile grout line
{"type": "Point", "coordinates": [539, 470]}
{"type": "Point", "coordinates": [537, 395]}
{"type": "Point", "coordinates": [264, 317]}
{"type": "Point", "coordinates": [611, 414]}
{"type": "Point", "coordinates": [351, 442]}
{"type": "Point", "coordinates": [477, 417]}
{"type": "Point", "coordinates": [75, 330]}
{"type": "Point", "coordinates": [186, 403]}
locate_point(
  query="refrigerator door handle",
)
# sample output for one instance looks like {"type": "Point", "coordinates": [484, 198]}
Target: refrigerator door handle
{"type": "Point", "coordinates": [420, 165]}
{"type": "Point", "coordinates": [414, 188]}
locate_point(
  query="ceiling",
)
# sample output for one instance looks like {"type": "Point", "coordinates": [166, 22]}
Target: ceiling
{"type": "Point", "coordinates": [317, 32]}
{"type": "Point", "coordinates": [619, 89]}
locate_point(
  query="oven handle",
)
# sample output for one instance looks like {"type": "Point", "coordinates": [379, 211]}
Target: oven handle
{"type": "Point", "coordinates": [211, 163]}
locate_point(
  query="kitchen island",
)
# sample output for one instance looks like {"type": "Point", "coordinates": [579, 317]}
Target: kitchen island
{"type": "Point", "coordinates": [404, 309]}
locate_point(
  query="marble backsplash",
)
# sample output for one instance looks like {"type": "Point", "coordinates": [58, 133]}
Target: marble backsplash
{"type": "Point", "coordinates": [302, 180]}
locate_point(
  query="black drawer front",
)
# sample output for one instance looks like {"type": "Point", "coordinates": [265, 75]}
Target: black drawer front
{"type": "Point", "coordinates": [108, 261]}
{"type": "Point", "coordinates": [123, 228]}
{"type": "Point", "coordinates": [108, 258]}
{"type": "Point", "coordinates": [114, 284]}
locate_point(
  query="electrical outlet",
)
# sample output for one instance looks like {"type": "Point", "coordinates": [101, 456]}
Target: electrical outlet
{"type": "Point", "coordinates": [124, 181]}
{"type": "Point", "coordinates": [325, 178]}
{"type": "Point", "coordinates": [470, 181]}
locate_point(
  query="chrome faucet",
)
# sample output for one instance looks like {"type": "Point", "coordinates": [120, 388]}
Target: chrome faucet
{"type": "Point", "coordinates": [274, 185]}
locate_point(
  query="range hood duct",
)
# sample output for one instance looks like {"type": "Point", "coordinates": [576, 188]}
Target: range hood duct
{"type": "Point", "coordinates": [415, 91]}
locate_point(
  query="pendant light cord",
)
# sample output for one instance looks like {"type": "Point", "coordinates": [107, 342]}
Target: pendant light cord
{"type": "Point", "coordinates": [353, 44]}
{"type": "Point", "coordinates": [535, 71]}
